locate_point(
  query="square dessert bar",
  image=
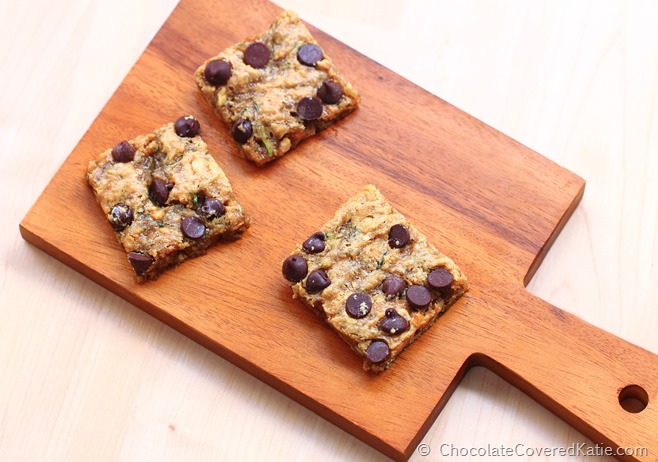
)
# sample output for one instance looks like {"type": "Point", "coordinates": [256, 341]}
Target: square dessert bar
{"type": "Point", "coordinates": [374, 278]}
{"type": "Point", "coordinates": [165, 197]}
{"type": "Point", "coordinates": [275, 90]}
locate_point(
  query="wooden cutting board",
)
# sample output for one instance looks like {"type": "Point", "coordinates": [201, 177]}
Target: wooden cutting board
{"type": "Point", "coordinates": [488, 202]}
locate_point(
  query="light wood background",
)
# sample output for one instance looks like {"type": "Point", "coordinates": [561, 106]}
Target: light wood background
{"type": "Point", "coordinates": [86, 376]}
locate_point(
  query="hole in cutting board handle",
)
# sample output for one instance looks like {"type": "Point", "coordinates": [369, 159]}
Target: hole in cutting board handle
{"type": "Point", "coordinates": [633, 398]}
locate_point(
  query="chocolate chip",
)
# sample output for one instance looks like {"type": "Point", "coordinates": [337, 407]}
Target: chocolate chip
{"type": "Point", "coordinates": [377, 351]}
{"type": "Point", "coordinates": [418, 297]}
{"type": "Point", "coordinates": [309, 54]}
{"type": "Point", "coordinates": [141, 262]}
{"type": "Point", "coordinates": [121, 216]}
{"type": "Point", "coordinates": [294, 268]}
{"type": "Point", "coordinates": [317, 281]}
{"type": "Point", "coordinates": [159, 191]}
{"type": "Point", "coordinates": [440, 278]}
{"type": "Point", "coordinates": [192, 227]}
{"type": "Point", "coordinates": [242, 130]}
{"type": "Point", "coordinates": [309, 108]}
{"type": "Point", "coordinates": [330, 92]}
{"type": "Point", "coordinates": [315, 243]}
{"type": "Point", "coordinates": [257, 55]}
{"type": "Point", "coordinates": [398, 236]}
{"type": "Point", "coordinates": [187, 127]}
{"type": "Point", "coordinates": [217, 72]}
{"type": "Point", "coordinates": [212, 208]}
{"type": "Point", "coordinates": [123, 152]}
{"type": "Point", "coordinates": [393, 285]}
{"type": "Point", "coordinates": [358, 305]}
{"type": "Point", "coordinates": [393, 323]}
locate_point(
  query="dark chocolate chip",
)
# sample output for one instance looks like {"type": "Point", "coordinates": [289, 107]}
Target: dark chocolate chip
{"type": "Point", "coordinates": [393, 323]}
{"type": "Point", "coordinates": [418, 297]}
{"type": "Point", "coordinates": [393, 285]}
{"type": "Point", "coordinates": [315, 243]}
{"type": "Point", "coordinates": [440, 278]}
{"type": "Point", "coordinates": [121, 216]}
{"type": "Point", "coordinates": [309, 108]}
{"type": "Point", "coordinates": [398, 236]}
{"type": "Point", "coordinates": [242, 130]}
{"type": "Point", "coordinates": [257, 55]}
{"type": "Point", "coordinates": [317, 281]}
{"type": "Point", "coordinates": [159, 191]}
{"type": "Point", "coordinates": [309, 54]}
{"type": "Point", "coordinates": [141, 262]}
{"type": "Point", "coordinates": [377, 351]}
{"type": "Point", "coordinates": [330, 92]}
{"type": "Point", "coordinates": [217, 72]}
{"type": "Point", "coordinates": [294, 268]}
{"type": "Point", "coordinates": [212, 208]}
{"type": "Point", "coordinates": [123, 152]}
{"type": "Point", "coordinates": [187, 127]}
{"type": "Point", "coordinates": [358, 305]}
{"type": "Point", "coordinates": [192, 227]}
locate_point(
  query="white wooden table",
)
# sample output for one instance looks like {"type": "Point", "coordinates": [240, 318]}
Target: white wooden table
{"type": "Point", "coordinates": [86, 376]}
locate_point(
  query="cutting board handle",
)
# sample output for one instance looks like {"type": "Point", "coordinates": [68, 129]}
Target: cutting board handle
{"type": "Point", "coordinates": [602, 385]}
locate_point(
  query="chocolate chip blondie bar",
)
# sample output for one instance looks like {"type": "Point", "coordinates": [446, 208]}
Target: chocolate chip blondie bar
{"type": "Point", "coordinates": [165, 197]}
{"type": "Point", "coordinates": [275, 90]}
{"type": "Point", "coordinates": [374, 278]}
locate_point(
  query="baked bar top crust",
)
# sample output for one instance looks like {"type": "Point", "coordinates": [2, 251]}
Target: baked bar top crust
{"type": "Point", "coordinates": [374, 278]}
{"type": "Point", "coordinates": [275, 90]}
{"type": "Point", "coordinates": [165, 197]}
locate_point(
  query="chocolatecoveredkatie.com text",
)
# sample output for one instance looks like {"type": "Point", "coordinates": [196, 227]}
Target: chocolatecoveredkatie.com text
{"type": "Point", "coordinates": [524, 450]}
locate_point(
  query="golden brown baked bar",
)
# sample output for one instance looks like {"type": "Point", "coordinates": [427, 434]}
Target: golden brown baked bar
{"type": "Point", "coordinates": [374, 278]}
{"type": "Point", "coordinates": [165, 197]}
{"type": "Point", "coordinates": [275, 90]}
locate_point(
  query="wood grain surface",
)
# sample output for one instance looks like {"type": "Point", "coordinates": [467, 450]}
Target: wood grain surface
{"type": "Point", "coordinates": [487, 201]}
